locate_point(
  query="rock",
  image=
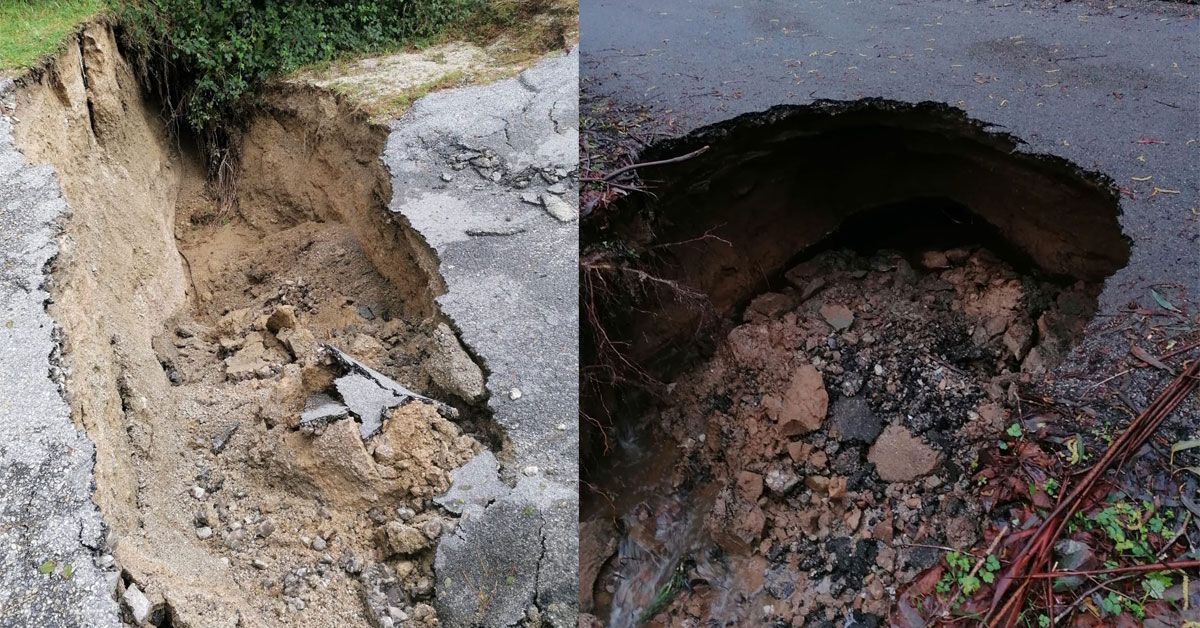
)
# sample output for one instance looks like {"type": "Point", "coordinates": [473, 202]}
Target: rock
{"type": "Point", "coordinates": [557, 188]}
{"type": "Point", "coordinates": [560, 209]}
{"type": "Point", "coordinates": [432, 529]}
{"type": "Point", "coordinates": [813, 286]}
{"type": "Point", "coordinates": [365, 313]}
{"type": "Point", "coordinates": [221, 440]}
{"type": "Point", "coordinates": [799, 452]}
{"type": "Point", "coordinates": [531, 197]}
{"type": "Point", "coordinates": [804, 404]}
{"type": "Point", "coordinates": [284, 317]}
{"type": "Point", "coordinates": [319, 544]}
{"type": "Point", "coordinates": [137, 604]}
{"type": "Point", "coordinates": [204, 532]}
{"type": "Point", "coordinates": [769, 305]}
{"type": "Point", "coordinates": [399, 539]}
{"type": "Point", "coordinates": [514, 394]}
{"type": "Point", "coordinates": [452, 369]}
{"type": "Point", "coordinates": [301, 343]}
{"type": "Point", "coordinates": [781, 480]}
{"type": "Point", "coordinates": [854, 421]}
{"type": "Point", "coordinates": [934, 260]}
{"type": "Point", "coordinates": [750, 486]}
{"type": "Point", "coordinates": [899, 456]}
{"type": "Point", "coordinates": [837, 315]}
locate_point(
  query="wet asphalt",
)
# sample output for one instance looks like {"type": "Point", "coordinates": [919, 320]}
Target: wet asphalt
{"type": "Point", "coordinates": [1112, 86]}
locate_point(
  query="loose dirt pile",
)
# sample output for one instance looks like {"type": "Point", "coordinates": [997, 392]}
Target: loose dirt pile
{"type": "Point", "coordinates": [194, 342]}
{"type": "Point", "coordinates": [825, 448]}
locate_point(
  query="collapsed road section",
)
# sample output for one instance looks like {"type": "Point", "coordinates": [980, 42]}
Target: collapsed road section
{"type": "Point", "coordinates": [492, 194]}
{"type": "Point", "coordinates": [281, 392]}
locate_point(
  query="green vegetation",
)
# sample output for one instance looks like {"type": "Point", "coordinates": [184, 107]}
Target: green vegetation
{"type": "Point", "coordinates": [207, 59]}
{"type": "Point", "coordinates": [959, 572]}
{"type": "Point", "coordinates": [31, 29]}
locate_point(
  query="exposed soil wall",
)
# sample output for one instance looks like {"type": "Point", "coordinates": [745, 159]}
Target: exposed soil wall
{"type": "Point", "coordinates": [727, 224]}
{"type": "Point", "coordinates": [191, 346]}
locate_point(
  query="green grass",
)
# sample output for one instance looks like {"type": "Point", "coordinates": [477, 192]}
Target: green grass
{"type": "Point", "coordinates": [31, 29]}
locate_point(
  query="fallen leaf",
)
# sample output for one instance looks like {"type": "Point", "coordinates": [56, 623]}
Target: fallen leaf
{"type": "Point", "coordinates": [1162, 302]}
{"type": "Point", "coordinates": [1182, 446]}
{"type": "Point", "coordinates": [1145, 356]}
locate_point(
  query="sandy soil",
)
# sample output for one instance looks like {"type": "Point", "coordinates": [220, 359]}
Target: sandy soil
{"type": "Point", "coordinates": [191, 342]}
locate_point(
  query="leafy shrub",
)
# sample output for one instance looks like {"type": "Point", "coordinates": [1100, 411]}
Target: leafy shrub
{"type": "Point", "coordinates": [206, 58]}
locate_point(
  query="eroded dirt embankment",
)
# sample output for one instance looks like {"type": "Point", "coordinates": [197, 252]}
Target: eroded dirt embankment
{"type": "Point", "coordinates": [192, 344]}
{"type": "Point", "coordinates": [844, 302]}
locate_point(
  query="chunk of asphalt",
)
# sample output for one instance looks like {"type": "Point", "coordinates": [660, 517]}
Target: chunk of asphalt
{"type": "Point", "coordinates": [321, 410]}
{"type": "Point", "coordinates": [517, 554]}
{"type": "Point", "coordinates": [367, 393]}
{"type": "Point", "coordinates": [46, 461]}
{"type": "Point", "coordinates": [854, 421]}
{"type": "Point", "coordinates": [473, 486]}
{"type": "Point", "coordinates": [367, 400]}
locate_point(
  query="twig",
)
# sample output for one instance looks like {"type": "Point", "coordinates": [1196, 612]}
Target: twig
{"type": "Point", "coordinates": [645, 164]}
{"type": "Point", "coordinates": [1163, 566]}
{"type": "Point", "coordinates": [1103, 585]}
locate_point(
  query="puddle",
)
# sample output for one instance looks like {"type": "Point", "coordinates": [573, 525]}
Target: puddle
{"type": "Point", "coordinates": [842, 305]}
{"type": "Point", "coordinates": [194, 338]}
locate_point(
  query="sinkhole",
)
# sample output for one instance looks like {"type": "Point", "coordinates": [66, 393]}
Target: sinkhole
{"type": "Point", "coordinates": [815, 319]}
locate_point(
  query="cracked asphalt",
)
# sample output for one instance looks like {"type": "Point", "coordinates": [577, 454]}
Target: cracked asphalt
{"type": "Point", "coordinates": [1110, 86]}
{"type": "Point", "coordinates": [49, 526]}
{"type": "Point", "coordinates": [487, 176]}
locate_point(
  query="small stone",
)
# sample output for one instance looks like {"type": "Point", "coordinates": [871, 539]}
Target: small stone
{"type": "Point", "coordinates": [447, 177]}
{"type": "Point", "coordinates": [319, 544]}
{"type": "Point", "coordinates": [432, 529]}
{"type": "Point", "coordinates": [749, 486]}
{"type": "Point", "coordinates": [854, 421]}
{"type": "Point", "coordinates": [899, 456]}
{"type": "Point", "coordinates": [934, 260]}
{"type": "Point", "coordinates": [514, 394]}
{"type": "Point", "coordinates": [259, 564]}
{"type": "Point", "coordinates": [837, 315]}
{"type": "Point", "coordinates": [557, 188]}
{"type": "Point", "coordinates": [204, 532]}
{"type": "Point", "coordinates": [198, 492]}
{"type": "Point", "coordinates": [266, 528]}
{"type": "Point", "coordinates": [399, 539]}
{"type": "Point", "coordinates": [220, 441]}
{"type": "Point", "coordinates": [531, 197]}
{"type": "Point", "coordinates": [136, 602]}
{"type": "Point", "coordinates": [366, 313]}
{"type": "Point", "coordinates": [530, 470]}
{"type": "Point", "coordinates": [780, 481]}
{"type": "Point", "coordinates": [560, 209]}
{"type": "Point", "coordinates": [562, 427]}
{"type": "Point", "coordinates": [804, 404]}
{"type": "Point", "coordinates": [405, 513]}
